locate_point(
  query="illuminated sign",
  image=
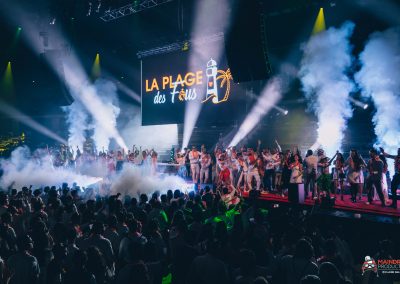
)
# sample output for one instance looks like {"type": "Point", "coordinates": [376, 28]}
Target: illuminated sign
{"type": "Point", "coordinates": [169, 82]}
{"type": "Point", "coordinates": [186, 87]}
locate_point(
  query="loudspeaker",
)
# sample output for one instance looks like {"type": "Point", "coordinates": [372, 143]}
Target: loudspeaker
{"type": "Point", "coordinates": [246, 43]}
{"type": "Point", "coordinates": [296, 193]}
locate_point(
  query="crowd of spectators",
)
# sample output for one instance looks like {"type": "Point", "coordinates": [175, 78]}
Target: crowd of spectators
{"type": "Point", "coordinates": [55, 236]}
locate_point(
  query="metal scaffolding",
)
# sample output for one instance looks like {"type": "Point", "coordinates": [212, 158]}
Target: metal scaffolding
{"type": "Point", "coordinates": [130, 9]}
{"type": "Point", "coordinates": [181, 45]}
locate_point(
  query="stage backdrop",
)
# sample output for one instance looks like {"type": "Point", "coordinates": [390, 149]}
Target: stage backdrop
{"type": "Point", "coordinates": [170, 80]}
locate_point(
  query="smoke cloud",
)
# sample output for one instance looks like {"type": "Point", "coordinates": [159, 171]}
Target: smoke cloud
{"type": "Point", "coordinates": [326, 59]}
{"type": "Point", "coordinates": [378, 79]}
{"type": "Point", "coordinates": [77, 119]}
{"type": "Point", "coordinates": [132, 182]}
{"type": "Point", "coordinates": [159, 137]}
{"type": "Point", "coordinates": [24, 168]}
{"type": "Point", "coordinates": [80, 121]}
{"type": "Point", "coordinates": [107, 94]}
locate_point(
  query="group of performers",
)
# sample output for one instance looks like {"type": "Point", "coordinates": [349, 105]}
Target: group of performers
{"type": "Point", "coordinates": [110, 161]}
{"type": "Point", "coordinates": [269, 170]}
{"type": "Point", "coordinates": [274, 171]}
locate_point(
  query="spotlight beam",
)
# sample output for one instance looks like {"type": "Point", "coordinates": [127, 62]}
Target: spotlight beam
{"type": "Point", "coordinates": [319, 25]}
{"type": "Point", "coordinates": [96, 70]}
{"type": "Point", "coordinates": [7, 85]}
{"type": "Point", "coordinates": [203, 20]}
{"type": "Point", "coordinates": [26, 120]}
{"type": "Point", "coordinates": [278, 108]}
{"type": "Point", "coordinates": [270, 95]}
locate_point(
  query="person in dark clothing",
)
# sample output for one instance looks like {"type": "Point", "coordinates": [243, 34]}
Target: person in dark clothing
{"type": "Point", "coordinates": [79, 274]}
{"type": "Point", "coordinates": [396, 177]}
{"type": "Point", "coordinates": [23, 266]}
{"type": "Point", "coordinates": [208, 269]}
{"type": "Point", "coordinates": [375, 168]}
{"type": "Point", "coordinates": [56, 267]}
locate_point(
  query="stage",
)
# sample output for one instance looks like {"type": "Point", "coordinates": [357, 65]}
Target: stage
{"type": "Point", "coordinates": [355, 210]}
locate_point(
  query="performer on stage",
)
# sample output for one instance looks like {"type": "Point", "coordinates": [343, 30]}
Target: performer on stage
{"type": "Point", "coordinates": [396, 177]}
{"type": "Point", "coordinates": [384, 181]}
{"type": "Point", "coordinates": [146, 163]}
{"type": "Point", "coordinates": [271, 159]}
{"type": "Point", "coordinates": [375, 169]}
{"type": "Point", "coordinates": [110, 163]}
{"type": "Point", "coordinates": [252, 169]}
{"type": "Point", "coordinates": [218, 157]}
{"type": "Point", "coordinates": [224, 176]}
{"type": "Point", "coordinates": [181, 161]}
{"type": "Point", "coordinates": [311, 164]}
{"type": "Point", "coordinates": [323, 163]}
{"type": "Point", "coordinates": [153, 166]}
{"type": "Point", "coordinates": [233, 164]}
{"type": "Point", "coordinates": [119, 161]}
{"type": "Point", "coordinates": [286, 172]}
{"type": "Point", "coordinates": [194, 157]}
{"type": "Point", "coordinates": [296, 176]}
{"type": "Point", "coordinates": [205, 162]}
{"type": "Point", "coordinates": [338, 174]}
{"type": "Point", "coordinates": [355, 175]}
{"type": "Point", "coordinates": [243, 169]}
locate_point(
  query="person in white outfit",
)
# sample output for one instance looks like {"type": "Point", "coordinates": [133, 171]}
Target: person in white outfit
{"type": "Point", "coordinates": [205, 162]}
{"type": "Point", "coordinates": [242, 173]}
{"type": "Point", "coordinates": [194, 157]}
{"type": "Point", "coordinates": [296, 176]}
{"type": "Point", "coordinates": [384, 181]}
{"type": "Point", "coordinates": [252, 169]}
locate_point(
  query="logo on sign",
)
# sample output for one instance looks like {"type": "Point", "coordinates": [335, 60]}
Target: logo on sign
{"type": "Point", "coordinates": [186, 87]}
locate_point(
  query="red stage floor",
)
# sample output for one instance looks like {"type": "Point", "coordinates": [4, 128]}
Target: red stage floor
{"type": "Point", "coordinates": [359, 207]}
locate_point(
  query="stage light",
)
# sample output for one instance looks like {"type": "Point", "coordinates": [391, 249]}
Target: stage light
{"type": "Point", "coordinates": [185, 46]}
{"type": "Point", "coordinates": [15, 40]}
{"type": "Point", "coordinates": [319, 24]}
{"type": "Point", "coordinates": [281, 110]}
{"type": "Point", "coordinates": [270, 95]}
{"type": "Point", "coordinates": [7, 84]}
{"type": "Point", "coordinates": [358, 103]}
{"type": "Point", "coordinates": [96, 71]}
